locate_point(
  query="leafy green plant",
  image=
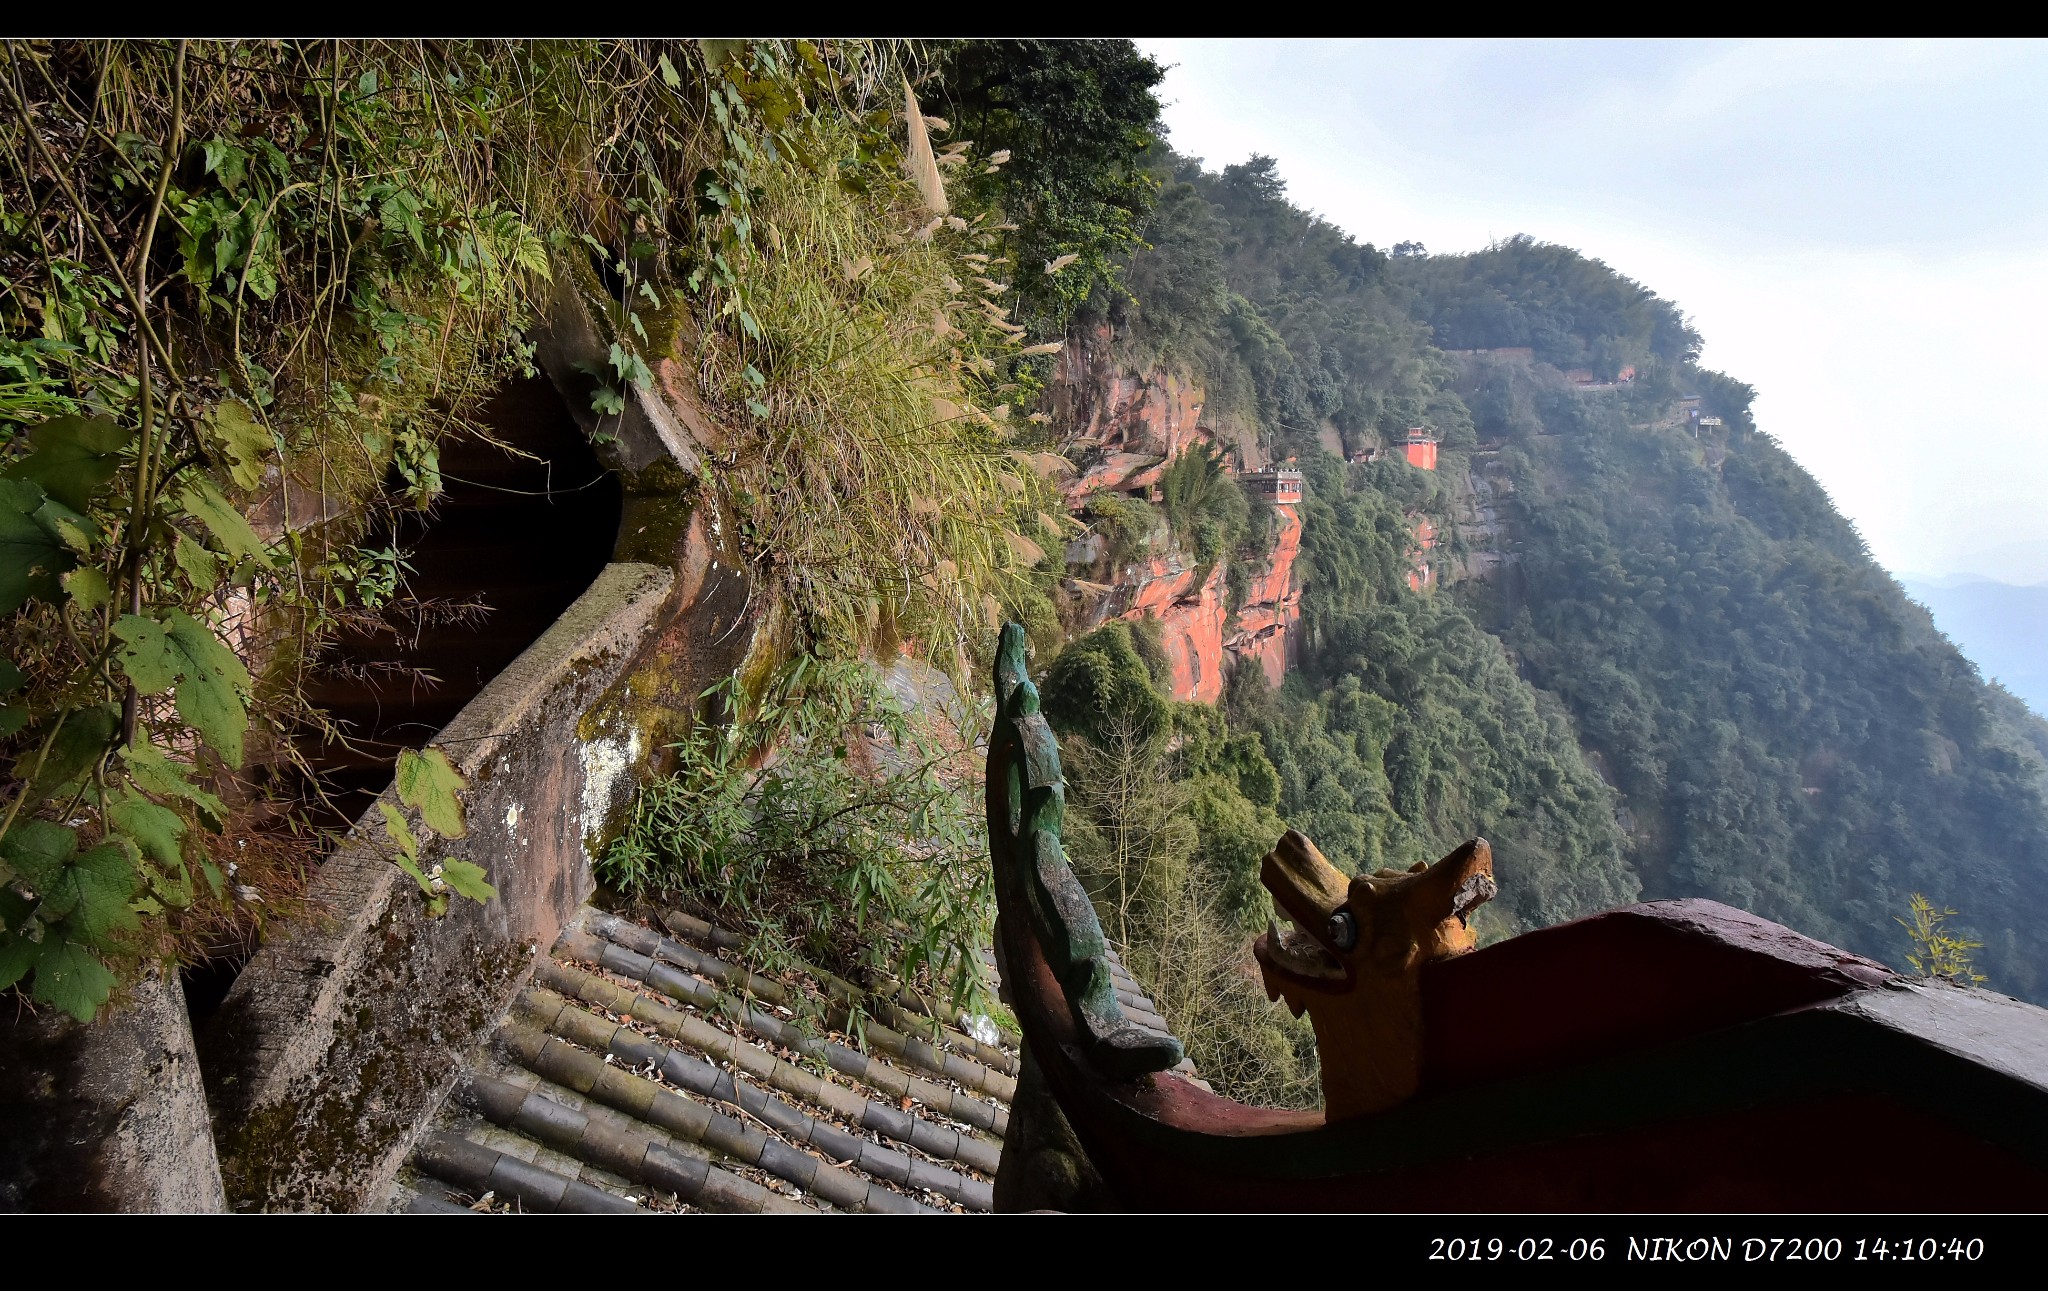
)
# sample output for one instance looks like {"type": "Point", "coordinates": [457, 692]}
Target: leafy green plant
{"type": "Point", "coordinates": [839, 827]}
{"type": "Point", "coordinates": [429, 784]}
{"type": "Point", "coordinates": [1937, 952]}
{"type": "Point", "coordinates": [237, 276]}
{"type": "Point", "coordinates": [864, 351]}
{"type": "Point", "coordinates": [1168, 815]}
{"type": "Point", "coordinates": [226, 271]}
{"type": "Point", "coordinates": [1206, 508]}
{"type": "Point", "coordinates": [1126, 524]}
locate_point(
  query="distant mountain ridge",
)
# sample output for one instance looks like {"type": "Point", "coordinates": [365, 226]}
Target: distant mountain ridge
{"type": "Point", "coordinates": [1998, 626]}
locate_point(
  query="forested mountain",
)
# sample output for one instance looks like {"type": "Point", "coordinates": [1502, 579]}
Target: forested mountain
{"type": "Point", "coordinates": [1639, 650]}
{"type": "Point", "coordinates": [1663, 665]}
{"type": "Point", "coordinates": [1788, 732]}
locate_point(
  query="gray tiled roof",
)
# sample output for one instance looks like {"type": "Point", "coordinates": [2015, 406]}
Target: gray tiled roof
{"type": "Point", "coordinates": [640, 1071]}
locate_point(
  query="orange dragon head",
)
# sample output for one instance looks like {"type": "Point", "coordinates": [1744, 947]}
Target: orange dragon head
{"type": "Point", "coordinates": [1354, 955]}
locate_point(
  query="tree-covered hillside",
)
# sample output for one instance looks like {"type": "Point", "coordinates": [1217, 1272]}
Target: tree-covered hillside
{"type": "Point", "coordinates": [1788, 731]}
{"type": "Point", "coordinates": [1777, 726]}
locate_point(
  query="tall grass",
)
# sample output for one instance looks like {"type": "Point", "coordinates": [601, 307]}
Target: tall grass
{"type": "Point", "coordinates": [884, 474]}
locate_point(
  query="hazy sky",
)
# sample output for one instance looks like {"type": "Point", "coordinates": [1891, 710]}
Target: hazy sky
{"type": "Point", "coordinates": [1856, 227]}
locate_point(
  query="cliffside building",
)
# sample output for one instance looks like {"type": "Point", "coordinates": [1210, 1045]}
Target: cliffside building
{"type": "Point", "coordinates": [1281, 486]}
{"type": "Point", "coordinates": [1420, 446]}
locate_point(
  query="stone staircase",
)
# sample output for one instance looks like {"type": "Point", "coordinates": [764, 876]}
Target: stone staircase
{"type": "Point", "coordinates": [640, 1072]}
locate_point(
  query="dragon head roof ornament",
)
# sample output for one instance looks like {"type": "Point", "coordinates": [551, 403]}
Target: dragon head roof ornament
{"type": "Point", "coordinates": [1353, 960]}
{"type": "Point", "coordinates": [1566, 1068]}
{"type": "Point", "coordinates": [1354, 965]}
{"type": "Point", "coordinates": [1027, 803]}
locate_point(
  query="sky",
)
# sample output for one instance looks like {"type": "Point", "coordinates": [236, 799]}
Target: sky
{"type": "Point", "coordinates": [1856, 227]}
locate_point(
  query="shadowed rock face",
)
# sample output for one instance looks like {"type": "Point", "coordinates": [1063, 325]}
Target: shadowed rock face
{"type": "Point", "coordinates": [108, 1117]}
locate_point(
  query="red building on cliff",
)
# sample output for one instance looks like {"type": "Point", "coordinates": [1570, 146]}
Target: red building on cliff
{"type": "Point", "coordinates": [1420, 445]}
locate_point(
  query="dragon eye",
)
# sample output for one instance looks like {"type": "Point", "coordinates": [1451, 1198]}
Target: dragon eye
{"type": "Point", "coordinates": [1343, 930]}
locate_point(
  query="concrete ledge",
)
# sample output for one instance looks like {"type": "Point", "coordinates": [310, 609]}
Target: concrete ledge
{"type": "Point", "coordinates": [342, 1036]}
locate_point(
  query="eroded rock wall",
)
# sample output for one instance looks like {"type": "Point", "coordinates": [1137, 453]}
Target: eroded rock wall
{"type": "Point", "coordinates": [1122, 428]}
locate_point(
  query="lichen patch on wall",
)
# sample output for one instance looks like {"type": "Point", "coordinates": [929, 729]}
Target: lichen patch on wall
{"type": "Point", "coordinates": [607, 763]}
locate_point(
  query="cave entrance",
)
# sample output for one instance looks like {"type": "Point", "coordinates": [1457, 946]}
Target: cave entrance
{"type": "Point", "coordinates": [514, 538]}
{"type": "Point", "coordinates": [512, 541]}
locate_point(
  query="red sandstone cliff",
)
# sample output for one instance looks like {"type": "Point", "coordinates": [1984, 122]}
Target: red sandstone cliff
{"type": "Point", "coordinates": [1121, 428]}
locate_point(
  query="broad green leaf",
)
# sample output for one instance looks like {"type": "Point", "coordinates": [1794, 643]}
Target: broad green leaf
{"type": "Point", "coordinates": [92, 893]}
{"type": "Point", "coordinates": [88, 588]}
{"type": "Point", "coordinates": [197, 562]}
{"type": "Point", "coordinates": [17, 956]}
{"type": "Point", "coordinates": [85, 736]}
{"type": "Point", "coordinates": [158, 774]}
{"type": "Point", "coordinates": [32, 554]}
{"type": "Point", "coordinates": [73, 457]}
{"type": "Point", "coordinates": [11, 677]}
{"type": "Point", "coordinates": [408, 846]}
{"type": "Point", "coordinates": [204, 503]}
{"type": "Point", "coordinates": [243, 439]}
{"type": "Point", "coordinates": [430, 784]}
{"type": "Point", "coordinates": [72, 978]}
{"type": "Point", "coordinates": [38, 851]}
{"type": "Point", "coordinates": [467, 880]}
{"type": "Point", "coordinates": [146, 654]}
{"type": "Point", "coordinates": [213, 686]}
{"type": "Point", "coordinates": [156, 830]}
{"type": "Point", "coordinates": [78, 534]}
{"type": "Point", "coordinates": [213, 691]}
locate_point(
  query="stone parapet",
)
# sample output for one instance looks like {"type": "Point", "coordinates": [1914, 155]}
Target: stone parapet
{"type": "Point", "coordinates": [344, 1034]}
